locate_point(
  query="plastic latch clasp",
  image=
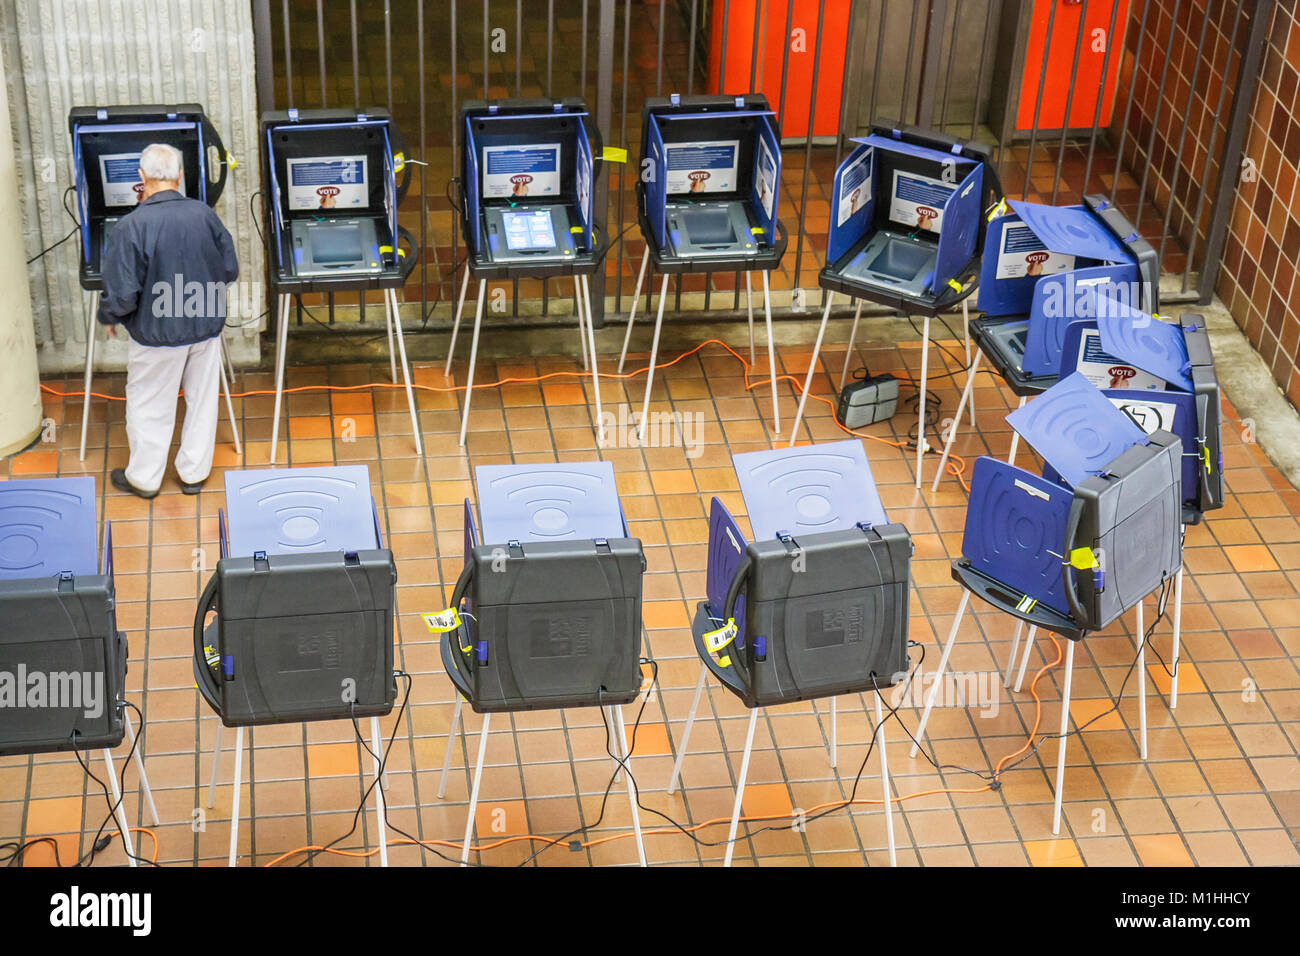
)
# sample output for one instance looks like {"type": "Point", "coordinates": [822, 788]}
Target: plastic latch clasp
{"type": "Point", "coordinates": [1083, 559]}
{"type": "Point", "coordinates": [293, 114]}
{"type": "Point", "coordinates": [675, 99]}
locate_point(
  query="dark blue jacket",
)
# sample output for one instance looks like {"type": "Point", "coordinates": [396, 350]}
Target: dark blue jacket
{"type": "Point", "coordinates": [165, 271]}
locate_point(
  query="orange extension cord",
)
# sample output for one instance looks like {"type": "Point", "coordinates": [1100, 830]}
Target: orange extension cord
{"type": "Point", "coordinates": [956, 464]}
{"type": "Point", "coordinates": [956, 467]}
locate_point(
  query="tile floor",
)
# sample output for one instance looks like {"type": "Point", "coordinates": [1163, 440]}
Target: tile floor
{"type": "Point", "coordinates": [1221, 785]}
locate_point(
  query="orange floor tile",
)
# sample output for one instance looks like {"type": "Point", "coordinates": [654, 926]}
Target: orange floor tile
{"type": "Point", "coordinates": [1221, 784]}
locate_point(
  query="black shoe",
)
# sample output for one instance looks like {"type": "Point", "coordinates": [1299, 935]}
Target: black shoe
{"type": "Point", "coordinates": [191, 487]}
{"type": "Point", "coordinates": [118, 477]}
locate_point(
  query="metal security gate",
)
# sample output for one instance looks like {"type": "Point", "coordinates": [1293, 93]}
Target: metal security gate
{"type": "Point", "coordinates": [1178, 79]}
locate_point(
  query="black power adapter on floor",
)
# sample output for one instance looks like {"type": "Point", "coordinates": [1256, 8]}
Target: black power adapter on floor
{"type": "Point", "coordinates": [867, 399]}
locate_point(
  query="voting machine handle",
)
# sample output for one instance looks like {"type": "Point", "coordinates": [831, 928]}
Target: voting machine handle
{"type": "Point", "coordinates": [781, 239]}
{"type": "Point", "coordinates": [457, 598]}
{"type": "Point", "coordinates": [1077, 610]}
{"type": "Point", "coordinates": [731, 675]}
{"type": "Point", "coordinates": [224, 161]}
{"type": "Point", "coordinates": [205, 680]}
{"type": "Point", "coordinates": [405, 263]}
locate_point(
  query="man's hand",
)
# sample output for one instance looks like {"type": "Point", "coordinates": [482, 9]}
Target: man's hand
{"type": "Point", "coordinates": [111, 331]}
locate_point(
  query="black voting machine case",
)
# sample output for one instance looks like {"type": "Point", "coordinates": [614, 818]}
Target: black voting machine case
{"type": "Point", "coordinates": [838, 626]}
{"type": "Point", "coordinates": [58, 620]}
{"type": "Point", "coordinates": [549, 600]}
{"type": "Point", "coordinates": [553, 625]}
{"type": "Point", "coordinates": [334, 179]}
{"type": "Point", "coordinates": [106, 146]}
{"type": "Point", "coordinates": [298, 637]}
{"type": "Point", "coordinates": [61, 625]}
{"type": "Point", "coordinates": [817, 604]}
{"type": "Point", "coordinates": [305, 635]}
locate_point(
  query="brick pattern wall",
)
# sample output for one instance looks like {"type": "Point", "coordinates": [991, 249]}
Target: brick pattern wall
{"type": "Point", "coordinates": [1258, 279]}
{"type": "Point", "coordinates": [1258, 282]}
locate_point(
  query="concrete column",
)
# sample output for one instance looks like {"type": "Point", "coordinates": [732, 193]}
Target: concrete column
{"type": "Point", "coordinates": [20, 393]}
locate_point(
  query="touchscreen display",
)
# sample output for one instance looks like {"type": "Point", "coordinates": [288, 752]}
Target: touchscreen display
{"type": "Point", "coordinates": [528, 230]}
{"type": "Point", "coordinates": [335, 244]}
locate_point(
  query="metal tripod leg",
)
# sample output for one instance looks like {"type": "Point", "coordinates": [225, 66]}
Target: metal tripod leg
{"type": "Point", "coordinates": [216, 759]}
{"type": "Point", "coordinates": [145, 789]}
{"type": "Point", "coordinates": [848, 353]}
{"type": "Point", "coordinates": [749, 309]}
{"type": "Point", "coordinates": [451, 741]}
{"type": "Point", "coordinates": [631, 316]}
{"type": "Point", "coordinates": [119, 812]}
{"type": "Point", "coordinates": [455, 325]}
{"type": "Point", "coordinates": [234, 800]}
{"type": "Point", "coordinates": [967, 395]}
{"type": "Point", "coordinates": [686, 732]}
{"type": "Point", "coordinates": [230, 404]}
{"type": "Point", "coordinates": [887, 794]}
{"type": "Point", "coordinates": [654, 354]}
{"type": "Point", "coordinates": [621, 748]}
{"type": "Point", "coordinates": [92, 323]}
{"type": "Point", "coordinates": [396, 319]}
{"type": "Point", "coordinates": [740, 786]}
{"type": "Point", "coordinates": [281, 345]}
{"type": "Point", "coordinates": [591, 347]}
{"type": "Point", "coordinates": [771, 355]}
{"type": "Point", "coordinates": [920, 407]}
{"type": "Point", "coordinates": [812, 368]}
{"type": "Point", "coordinates": [473, 792]}
{"type": "Point", "coordinates": [381, 812]}
{"type": "Point", "coordinates": [1024, 660]}
{"type": "Point", "coordinates": [965, 326]}
{"type": "Point", "coordinates": [938, 674]}
{"type": "Point", "coordinates": [473, 359]}
{"type": "Point", "coordinates": [1065, 723]}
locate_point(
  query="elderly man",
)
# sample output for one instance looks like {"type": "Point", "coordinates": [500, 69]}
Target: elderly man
{"type": "Point", "coordinates": [166, 270]}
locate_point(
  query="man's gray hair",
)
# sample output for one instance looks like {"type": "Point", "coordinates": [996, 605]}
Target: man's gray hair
{"type": "Point", "coordinates": [162, 162]}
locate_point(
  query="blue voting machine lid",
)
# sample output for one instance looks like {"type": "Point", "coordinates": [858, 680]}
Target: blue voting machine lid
{"type": "Point", "coordinates": [1155, 347]}
{"type": "Point", "coordinates": [1075, 429]}
{"type": "Point", "coordinates": [1059, 300]}
{"type": "Point", "coordinates": [1064, 230]}
{"type": "Point", "coordinates": [1015, 529]}
{"type": "Point", "coordinates": [1071, 229]}
{"type": "Point", "coordinates": [549, 502]}
{"type": "Point", "coordinates": [47, 526]}
{"type": "Point", "coordinates": [726, 550]}
{"type": "Point", "coordinates": [808, 489]}
{"type": "Point", "coordinates": [300, 510]}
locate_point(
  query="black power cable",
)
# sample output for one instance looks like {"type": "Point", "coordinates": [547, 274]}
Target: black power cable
{"type": "Point", "coordinates": [99, 843]}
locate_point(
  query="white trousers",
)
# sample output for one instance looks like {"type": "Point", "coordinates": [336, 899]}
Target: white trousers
{"type": "Point", "coordinates": [153, 377]}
